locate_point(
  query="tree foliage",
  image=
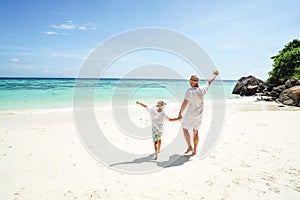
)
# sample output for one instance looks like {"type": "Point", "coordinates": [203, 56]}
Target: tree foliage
{"type": "Point", "coordinates": [286, 64]}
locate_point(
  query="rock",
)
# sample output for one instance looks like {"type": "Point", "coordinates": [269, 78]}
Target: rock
{"type": "Point", "coordinates": [248, 90]}
{"type": "Point", "coordinates": [269, 87]}
{"type": "Point", "coordinates": [290, 96]}
{"type": "Point", "coordinates": [292, 82]}
{"type": "Point", "coordinates": [277, 91]}
{"type": "Point", "coordinates": [246, 81]}
{"type": "Point", "coordinates": [261, 87]}
{"type": "Point", "coordinates": [266, 93]}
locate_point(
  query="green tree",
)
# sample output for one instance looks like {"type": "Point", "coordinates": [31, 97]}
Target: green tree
{"type": "Point", "coordinates": [286, 64]}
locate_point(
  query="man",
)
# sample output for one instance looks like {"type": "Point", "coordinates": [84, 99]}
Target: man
{"type": "Point", "coordinates": [192, 119]}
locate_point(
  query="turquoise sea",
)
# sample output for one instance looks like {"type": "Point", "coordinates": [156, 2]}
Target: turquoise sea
{"type": "Point", "coordinates": [47, 93]}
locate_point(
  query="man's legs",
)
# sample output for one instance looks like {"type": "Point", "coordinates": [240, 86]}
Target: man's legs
{"type": "Point", "coordinates": [187, 139]}
{"type": "Point", "coordinates": [196, 140]}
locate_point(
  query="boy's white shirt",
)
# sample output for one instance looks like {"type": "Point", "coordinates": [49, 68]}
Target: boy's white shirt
{"type": "Point", "coordinates": [158, 119]}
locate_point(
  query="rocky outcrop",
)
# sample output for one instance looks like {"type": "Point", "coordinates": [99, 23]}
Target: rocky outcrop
{"type": "Point", "coordinates": [247, 86]}
{"type": "Point", "coordinates": [290, 96]}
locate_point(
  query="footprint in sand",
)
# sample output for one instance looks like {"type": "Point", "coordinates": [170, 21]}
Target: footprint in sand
{"type": "Point", "coordinates": [226, 195]}
{"type": "Point", "coordinates": [226, 169]}
{"type": "Point", "coordinates": [243, 164]}
{"type": "Point", "coordinates": [17, 195]}
{"type": "Point", "coordinates": [93, 195]}
{"type": "Point", "coordinates": [263, 150]}
{"type": "Point", "coordinates": [209, 183]}
{"type": "Point", "coordinates": [274, 189]}
{"type": "Point", "coordinates": [268, 178]}
{"type": "Point", "coordinates": [236, 182]}
{"type": "Point", "coordinates": [270, 187]}
{"type": "Point", "coordinates": [295, 183]}
{"type": "Point", "coordinates": [294, 171]}
{"type": "Point", "coordinates": [69, 195]}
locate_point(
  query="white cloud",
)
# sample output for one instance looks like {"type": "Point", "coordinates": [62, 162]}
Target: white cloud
{"type": "Point", "coordinates": [83, 28]}
{"type": "Point", "coordinates": [66, 26]}
{"type": "Point", "coordinates": [70, 25]}
{"type": "Point", "coordinates": [62, 29]}
{"type": "Point", "coordinates": [50, 33]}
{"type": "Point", "coordinates": [14, 60]}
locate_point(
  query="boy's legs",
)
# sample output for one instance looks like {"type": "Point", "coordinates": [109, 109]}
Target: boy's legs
{"type": "Point", "coordinates": [158, 144]}
{"type": "Point", "coordinates": [188, 140]}
{"type": "Point", "coordinates": [156, 150]}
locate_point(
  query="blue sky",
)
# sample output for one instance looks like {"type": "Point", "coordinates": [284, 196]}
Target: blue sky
{"type": "Point", "coordinates": [53, 38]}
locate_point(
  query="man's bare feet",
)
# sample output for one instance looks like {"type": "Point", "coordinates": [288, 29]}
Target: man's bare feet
{"type": "Point", "coordinates": [188, 150]}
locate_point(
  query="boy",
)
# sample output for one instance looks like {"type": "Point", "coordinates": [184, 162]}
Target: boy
{"type": "Point", "coordinates": [158, 119]}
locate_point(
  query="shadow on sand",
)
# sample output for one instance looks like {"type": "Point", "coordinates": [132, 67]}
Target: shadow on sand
{"type": "Point", "coordinates": [173, 161]}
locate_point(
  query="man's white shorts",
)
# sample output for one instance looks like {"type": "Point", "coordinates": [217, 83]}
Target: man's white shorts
{"type": "Point", "coordinates": [191, 123]}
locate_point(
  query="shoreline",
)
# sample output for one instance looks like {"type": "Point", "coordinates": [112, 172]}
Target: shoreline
{"type": "Point", "coordinates": [251, 100]}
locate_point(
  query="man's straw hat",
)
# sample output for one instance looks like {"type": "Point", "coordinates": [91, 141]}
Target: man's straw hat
{"type": "Point", "coordinates": [194, 78]}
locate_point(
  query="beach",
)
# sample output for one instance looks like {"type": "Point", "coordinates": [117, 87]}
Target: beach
{"type": "Point", "coordinates": [81, 82]}
{"type": "Point", "coordinates": [257, 157]}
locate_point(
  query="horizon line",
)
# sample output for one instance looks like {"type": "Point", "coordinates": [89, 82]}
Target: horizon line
{"type": "Point", "coordinates": [111, 78]}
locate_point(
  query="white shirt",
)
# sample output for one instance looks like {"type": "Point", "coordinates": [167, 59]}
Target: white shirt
{"type": "Point", "coordinates": [195, 96]}
{"type": "Point", "coordinates": [158, 118]}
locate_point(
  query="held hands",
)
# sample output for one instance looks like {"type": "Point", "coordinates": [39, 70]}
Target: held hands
{"type": "Point", "coordinates": [180, 117]}
{"type": "Point", "coordinates": [176, 119]}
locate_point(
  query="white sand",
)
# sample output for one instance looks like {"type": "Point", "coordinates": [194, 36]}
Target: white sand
{"type": "Point", "coordinates": [257, 157]}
